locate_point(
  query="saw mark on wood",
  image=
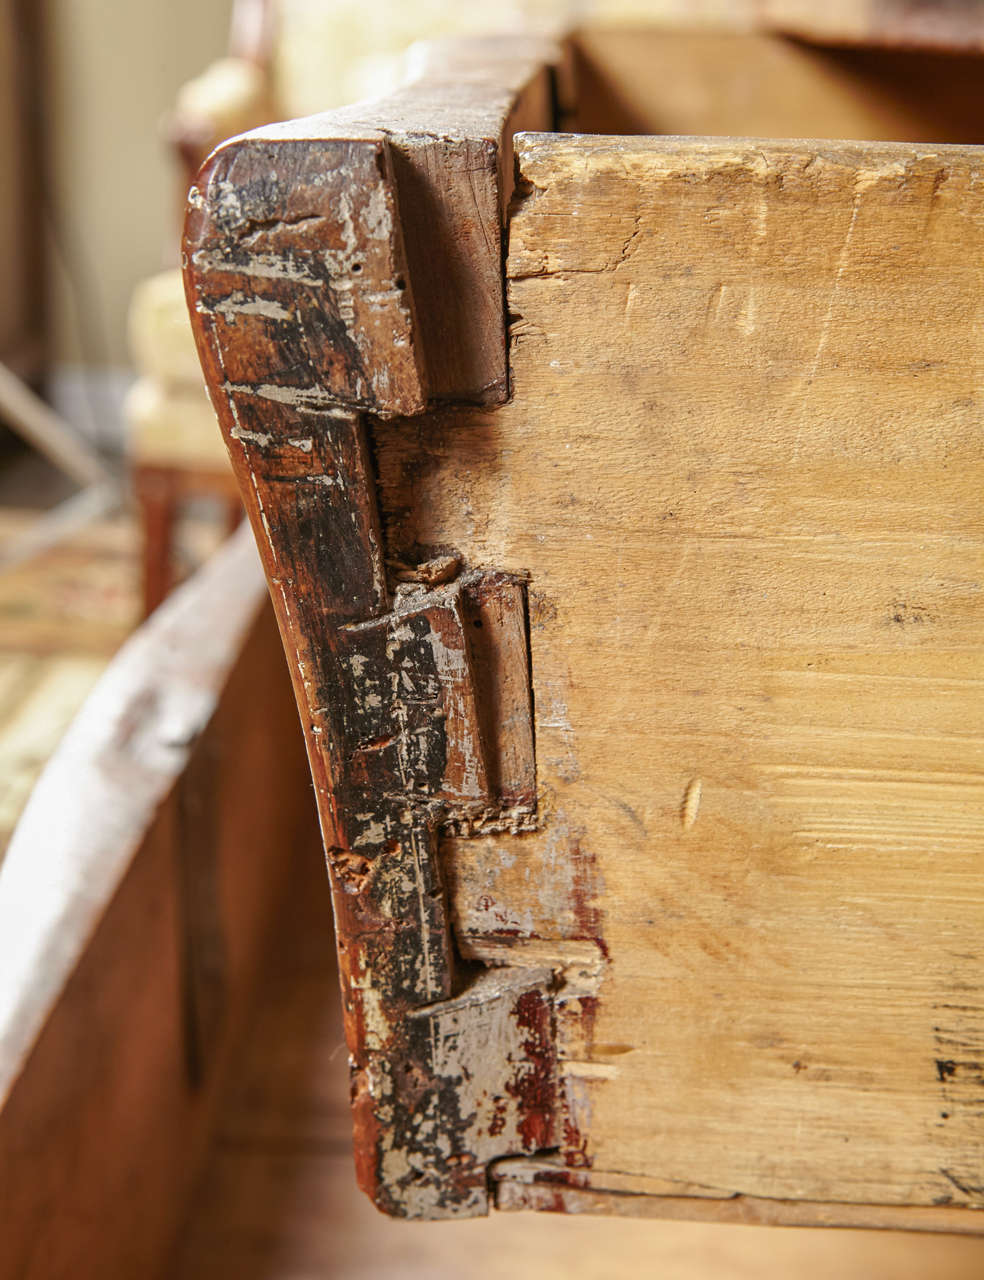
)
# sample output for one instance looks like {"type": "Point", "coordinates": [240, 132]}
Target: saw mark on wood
{"type": "Point", "coordinates": [690, 805]}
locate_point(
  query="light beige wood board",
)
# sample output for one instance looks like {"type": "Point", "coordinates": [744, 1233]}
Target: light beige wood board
{"type": "Point", "coordinates": [742, 465]}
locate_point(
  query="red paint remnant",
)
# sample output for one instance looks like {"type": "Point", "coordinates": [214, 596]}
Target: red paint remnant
{"type": "Point", "coordinates": [564, 1177]}
{"type": "Point", "coordinates": [498, 1121]}
{"type": "Point", "coordinates": [551, 1202]}
{"type": "Point", "coordinates": [534, 1085]}
{"type": "Point", "coordinates": [365, 1136]}
{"type": "Point", "coordinates": [586, 888]}
{"type": "Point", "coordinates": [575, 1146]}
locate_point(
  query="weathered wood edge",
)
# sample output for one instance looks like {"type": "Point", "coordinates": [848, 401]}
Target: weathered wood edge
{"type": "Point", "coordinates": [518, 1194]}
{"type": "Point", "coordinates": [407, 300]}
{"type": "Point", "coordinates": [134, 917]}
{"type": "Point", "coordinates": [79, 828]}
{"type": "Point", "coordinates": [305, 289]}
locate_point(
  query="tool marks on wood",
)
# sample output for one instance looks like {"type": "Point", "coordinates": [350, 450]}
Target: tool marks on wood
{"type": "Point", "coordinates": [311, 305]}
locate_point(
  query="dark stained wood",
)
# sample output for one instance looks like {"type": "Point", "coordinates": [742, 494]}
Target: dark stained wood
{"type": "Point", "coordinates": [297, 260]}
{"type": "Point", "coordinates": [157, 499]}
{"type": "Point", "coordinates": [451, 140]}
{"type": "Point", "coordinates": [430, 172]}
{"type": "Point", "coordinates": [310, 307]}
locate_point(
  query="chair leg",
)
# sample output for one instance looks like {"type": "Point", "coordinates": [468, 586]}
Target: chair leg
{"type": "Point", "coordinates": [157, 495]}
{"type": "Point", "coordinates": [234, 514]}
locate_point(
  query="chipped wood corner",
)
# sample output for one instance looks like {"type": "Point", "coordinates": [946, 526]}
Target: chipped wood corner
{"type": "Point", "coordinates": [310, 261]}
{"type": "Point", "coordinates": [303, 231]}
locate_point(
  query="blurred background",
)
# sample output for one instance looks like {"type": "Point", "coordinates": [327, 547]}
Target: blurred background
{"type": "Point", "coordinates": [86, 90]}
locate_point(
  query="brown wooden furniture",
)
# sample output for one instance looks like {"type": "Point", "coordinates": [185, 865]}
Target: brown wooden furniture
{"type": "Point", "coordinates": [135, 901]}
{"type": "Point", "coordinates": [162, 491]}
{"type": "Point", "coordinates": [632, 596]}
{"type": "Point", "coordinates": [100, 1140]}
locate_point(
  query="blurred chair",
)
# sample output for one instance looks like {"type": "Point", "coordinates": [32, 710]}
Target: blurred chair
{"type": "Point", "coordinates": [175, 449]}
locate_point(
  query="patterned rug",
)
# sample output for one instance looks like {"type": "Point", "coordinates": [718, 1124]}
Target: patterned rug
{"type": "Point", "coordinates": [63, 614]}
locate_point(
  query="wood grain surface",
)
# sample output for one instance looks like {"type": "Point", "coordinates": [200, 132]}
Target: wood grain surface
{"type": "Point", "coordinates": [742, 468]}
{"type": "Point", "coordinates": [728, 958]}
{"type": "Point", "coordinates": [633, 78]}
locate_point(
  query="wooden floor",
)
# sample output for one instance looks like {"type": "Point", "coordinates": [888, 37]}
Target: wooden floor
{"type": "Point", "coordinates": [278, 1200]}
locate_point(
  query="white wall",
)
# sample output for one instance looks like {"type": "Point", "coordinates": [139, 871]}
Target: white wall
{"type": "Point", "coordinates": [114, 69]}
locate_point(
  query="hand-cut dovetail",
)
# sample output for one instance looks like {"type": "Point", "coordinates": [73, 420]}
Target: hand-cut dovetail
{"type": "Point", "coordinates": [690, 804]}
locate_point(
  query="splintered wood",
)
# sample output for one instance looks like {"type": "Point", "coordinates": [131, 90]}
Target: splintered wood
{"type": "Point", "coordinates": [742, 469]}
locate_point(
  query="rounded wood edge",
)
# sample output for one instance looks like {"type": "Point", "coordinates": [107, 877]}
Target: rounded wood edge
{"type": "Point", "coordinates": [101, 789]}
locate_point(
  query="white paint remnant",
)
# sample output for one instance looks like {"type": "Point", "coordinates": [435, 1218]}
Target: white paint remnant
{"type": "Point", "coordinates": [376, 216]}
{"type": "Point", "coordinates": [377, 1026]}
{"type": "Point", "coordinates": [285, 598]}
{"type": "Point", "coordinates": [262, 266]}
{"type": "Point", "coordinates": [691, 803]}
{"type": "Point", "coordinates": [589, 1070]}
{"type": "Point", "coordinates": [237, 304]}
{"type": "Point", "coordinates": [372, 833]}
{"type": "Point", "coordinates": [262, 438]}
{"type": "Point", "coordinates": [226, 200]}
{"type": "Point", "coordinates": [305, 443]}
{"type": "Point", "coordinates": [296, 397]}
